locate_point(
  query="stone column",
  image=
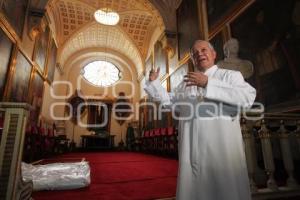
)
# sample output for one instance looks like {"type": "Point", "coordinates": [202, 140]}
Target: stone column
{"type": "Point", "coordinates": [265, 136]}
{"type": "Point", "coordinates": [250, 158]}
{"type": "Point", "coordinates": [287, 155]}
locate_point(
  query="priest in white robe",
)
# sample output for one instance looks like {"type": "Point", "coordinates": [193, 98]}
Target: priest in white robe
{"type": "Point", "coordinates": [212, 164]}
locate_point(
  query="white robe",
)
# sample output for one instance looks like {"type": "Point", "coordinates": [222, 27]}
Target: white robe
{"type": "Point", "coordinates": [212, 164]}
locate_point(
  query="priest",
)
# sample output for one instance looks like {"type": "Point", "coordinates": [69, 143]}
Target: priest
{"type": "Point", "coordinates": [212, 162]}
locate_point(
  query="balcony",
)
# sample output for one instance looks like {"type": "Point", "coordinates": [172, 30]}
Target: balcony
{"type": "Point", "coordinates": [272, 147]}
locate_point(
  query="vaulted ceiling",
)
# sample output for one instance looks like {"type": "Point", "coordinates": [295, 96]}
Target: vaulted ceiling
{"type": "Point", "coordinates": [107, 37]}
{"type": "Point", "coordinates": [76, 28]}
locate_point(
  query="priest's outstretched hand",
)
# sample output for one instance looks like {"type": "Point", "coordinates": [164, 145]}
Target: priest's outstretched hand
{"type": "Point", "coordinates": [196, 78]}
{"type": "Point", "coordinates": [154, 73]}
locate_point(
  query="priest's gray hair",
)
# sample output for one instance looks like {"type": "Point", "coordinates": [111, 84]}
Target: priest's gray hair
{"type": "Point", "coordinates": [196, 41]}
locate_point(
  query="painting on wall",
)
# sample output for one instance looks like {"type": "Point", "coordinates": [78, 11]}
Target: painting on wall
{"type": "Point", "coordinates": [15, 12]}
{"type": "Point", "coordinates": [20, 80]}
{"type": "Point", "coordinates": [177, 77]}
{"type": "Point", "coordinates": [217, 10]}
{"type": "Point", "coordinates": [188, 26]}
{"type": "Point", "coordinates": [36, 97]}
{"type": "Point", "coordinates": [41, 47]}
{"type": "Point", "coordinates": [148, 66]}
{"type": "Point", "coordinates": [160, 58]}
{"type": "Point", "coordinates": [6, 49]}
{"type": "Point", "coordinates": [217, 42]}
{"type": "Point", "coordinates": [272, 44]}
{"type": "Point", "coordinates": [222, 12]}
{"type": "Point", "coordinates": [52, 61]}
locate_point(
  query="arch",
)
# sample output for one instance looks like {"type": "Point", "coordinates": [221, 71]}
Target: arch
{"type": "Point", "coordinates": [86, 55]}
{"type": "Point", "coordinates": [97, 35]}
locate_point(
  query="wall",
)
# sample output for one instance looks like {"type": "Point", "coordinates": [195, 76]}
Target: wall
{"type": "Point", "coordinates": [49, 87]}
{"type": "Point", "coordinates": [49, 99]}
{"type": "Point", "coordinates": [72, 75]}
{"type": "Point", "coordinates": [37, 80]}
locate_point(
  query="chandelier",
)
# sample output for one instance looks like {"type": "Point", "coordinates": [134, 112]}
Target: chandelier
{"type": "Point", "coordinates": [106, 16]}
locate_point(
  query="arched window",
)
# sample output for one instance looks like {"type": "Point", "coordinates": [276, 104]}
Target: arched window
{"type": "Point", "coordinates": [101, 73]}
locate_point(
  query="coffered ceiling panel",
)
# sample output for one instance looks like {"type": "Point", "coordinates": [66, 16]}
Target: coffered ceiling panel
{"type": "Point", "coordinates": [138, 18]}
{"type": "Point", "coordinates": [140, 27]}
{"type": "Point", "coordinates": [97, 35]}
{"type": "Point", "coordinates": [70, 15]}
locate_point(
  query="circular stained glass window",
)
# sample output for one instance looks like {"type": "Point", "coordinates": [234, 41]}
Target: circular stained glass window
{"type": "Point", "coordinates": [101, 73]}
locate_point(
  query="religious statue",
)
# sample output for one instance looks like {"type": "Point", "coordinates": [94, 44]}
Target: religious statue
{"type": "Point", "coordinates": [233, 62]}
{"type": "Point", "coordinates": [122, 108]}
{"type": "Point", "coordinates": [74, 102]}
{"type": "Point", "coordinates": [122, 111]}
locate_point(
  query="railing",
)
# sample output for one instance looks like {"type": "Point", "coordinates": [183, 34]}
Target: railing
{"type": "Point", "coordinates": [11, 146]}
{"type": "Point", "coordinates": [162, 141]}
{"type": "Point", "coordinates": [272, 147]}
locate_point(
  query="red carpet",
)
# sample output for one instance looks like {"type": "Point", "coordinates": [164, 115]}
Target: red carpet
{"type": "Point", "coordinates": [121, 176]}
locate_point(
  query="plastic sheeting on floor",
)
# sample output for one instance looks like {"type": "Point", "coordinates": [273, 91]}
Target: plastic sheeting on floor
{"type": "Point", "coordinates": [57, 176]}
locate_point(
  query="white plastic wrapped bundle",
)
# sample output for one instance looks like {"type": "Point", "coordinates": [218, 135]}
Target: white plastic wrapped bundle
{"type": "Point", "coordinates": [57, 176]}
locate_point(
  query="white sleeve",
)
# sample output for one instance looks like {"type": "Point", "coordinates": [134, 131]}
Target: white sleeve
{"type": "Point", "coordinates": [155, 90]}
{"type": "Point", "coordinates": [235, 91]}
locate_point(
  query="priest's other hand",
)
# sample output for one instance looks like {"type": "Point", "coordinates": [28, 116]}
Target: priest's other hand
{"type": "Point", "coordinates": [196, 78]}
{"type": "Point", "coordinates": [154, 74]}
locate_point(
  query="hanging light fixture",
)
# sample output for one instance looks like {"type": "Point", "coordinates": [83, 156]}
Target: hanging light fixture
{"type": "Point", "coordinates": [107, 16]}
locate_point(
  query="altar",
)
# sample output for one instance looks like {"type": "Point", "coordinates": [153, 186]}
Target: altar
{"type": "Point", "coordinates": [97, 142]}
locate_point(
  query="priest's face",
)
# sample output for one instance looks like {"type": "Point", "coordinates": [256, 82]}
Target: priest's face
{"type": "Point", "coordinates": [203, 55]}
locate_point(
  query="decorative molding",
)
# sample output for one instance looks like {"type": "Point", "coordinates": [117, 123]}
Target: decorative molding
{"type": "Point", "coordinates": [35, 17]}
{"type": "Point", "coordinates": [9, 29]}
{"type": "Point", "coordinates": [169, 41]}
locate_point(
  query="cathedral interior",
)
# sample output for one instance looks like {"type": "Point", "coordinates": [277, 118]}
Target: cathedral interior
{"type": "Point", "coordinates": [73, 72]}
